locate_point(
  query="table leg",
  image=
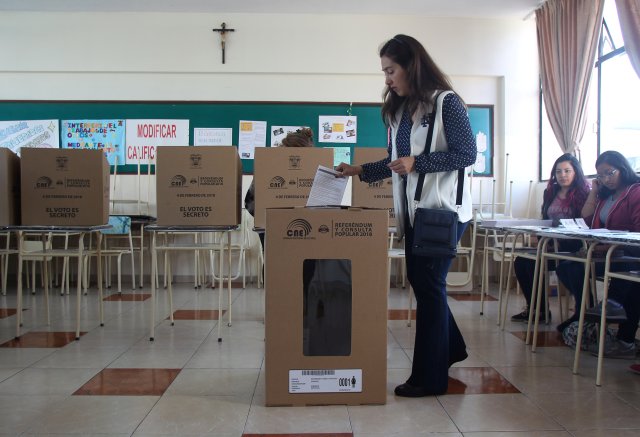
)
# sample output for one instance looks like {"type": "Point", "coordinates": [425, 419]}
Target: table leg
{"type": "Point", "coordinates": [154, 267]}
{"type": "Point", "coordinates": [603, 316]}
{"type": "Point", "coordinates": [534, 303]}
{"type": "Point", "coordinates": [170, 293]}
{"type": "Point", "coordinates": [79, 287]}
{"type": "Point", "coordinates": [45, 273]}
{"type": "Point", "coordinates": [229, 274]}
{"type": "Point", "coordinates": [19, 290]}
{"type": "Point", "coordinates": [141, 254]}
{"type": "Point", "coordinates": [583, 306]}
{"type": "Point", "coordinates": [99, 255]}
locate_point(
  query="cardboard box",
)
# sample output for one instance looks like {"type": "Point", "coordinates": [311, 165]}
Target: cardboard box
{"type": "Point", "coordinates": [377, 194]}
{"type": "Point", "coordinates": [9, 188]}
{"type": "Point", "coordinates": [198, 186]}
{"type": "Point", "coordinates": [283, 176]}
{"type": "Point", "coordinates": [64, 187]}
{"type": "Point", "coordinates": [326, 306]}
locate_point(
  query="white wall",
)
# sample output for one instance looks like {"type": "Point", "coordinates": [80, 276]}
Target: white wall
{"type": "Point", "coordinates": [271, 57]}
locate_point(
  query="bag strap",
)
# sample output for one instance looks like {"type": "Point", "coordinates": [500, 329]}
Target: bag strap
{"type": "Point", "coordinates": [427, 149]}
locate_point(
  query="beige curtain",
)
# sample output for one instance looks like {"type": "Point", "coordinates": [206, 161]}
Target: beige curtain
{"type": "Point", "coordinates": [629, 16]}
{"type": "Point", "coordinates": [568, 32]}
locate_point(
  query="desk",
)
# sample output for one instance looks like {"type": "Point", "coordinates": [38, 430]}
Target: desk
{"type": "Point", "coordinates": [615, 240]}
{"type": "Point", "coordinates": [41, 231]}
{"type": "Point", "coordinates": [155, 229]}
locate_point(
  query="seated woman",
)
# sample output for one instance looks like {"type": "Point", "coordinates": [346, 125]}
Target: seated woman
{"type": "Point", "coordinates": [563, 198]}
{"type": "Point", "coordinates": [614, 203]}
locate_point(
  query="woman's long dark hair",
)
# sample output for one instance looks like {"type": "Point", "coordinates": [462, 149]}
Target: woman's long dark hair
{"type": "Point", "coordinates": [423, 76]}
{"type": "Point", "coordinates": [620, 163]}
{"type": "Point", "coordinates": [578, 190]}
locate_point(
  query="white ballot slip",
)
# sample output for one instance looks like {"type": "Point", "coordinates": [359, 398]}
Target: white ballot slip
{"type": "Point", "coordinates": [327, 189]}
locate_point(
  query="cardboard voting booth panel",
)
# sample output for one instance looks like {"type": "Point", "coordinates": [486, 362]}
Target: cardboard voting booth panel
{"type": "Point", "coordinates": [283, 176]}
{"type": "Point", "coordinates": [64, 187]}
{"type": "Point", "coordinates": [9, 188]}
{"type": "Point", "coordinates": [199, 186]}
{"type": "Point", "coordinates": [377, 194]}
{"type": "Point", "coordinates": [326, 306]}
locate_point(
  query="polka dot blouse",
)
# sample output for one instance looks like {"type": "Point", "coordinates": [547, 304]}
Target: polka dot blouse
{"type": "Point", "coordinates": [457, 129]}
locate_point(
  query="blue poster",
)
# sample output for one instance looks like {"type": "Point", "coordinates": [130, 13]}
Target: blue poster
{"type": "Point", "coordinates": [481, 118]}
{"type": "Point", "coordinates": [106, 135]}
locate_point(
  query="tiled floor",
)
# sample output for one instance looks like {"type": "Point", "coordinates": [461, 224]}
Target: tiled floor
{"type": "Point", "coordinates": [115, 382]}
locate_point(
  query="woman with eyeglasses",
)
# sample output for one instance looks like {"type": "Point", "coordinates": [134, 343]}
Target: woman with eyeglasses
{"type": "Point", "coordinates": [614, 203]}
{"type": "Point", "coordinates": [564, 197]}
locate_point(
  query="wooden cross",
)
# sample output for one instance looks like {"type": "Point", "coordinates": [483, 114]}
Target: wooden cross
{"type": "Point", "coordinates": [223, 37]}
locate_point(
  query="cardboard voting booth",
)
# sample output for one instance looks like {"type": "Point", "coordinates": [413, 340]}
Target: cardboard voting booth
{"type": "Point", "coordinates": [377, 194]}
{"type": "Point", "coordinates": [283, 176]}
{"type": "Point", "coordinates": [9, 188]}
{"type": "Point", "coordinates": [198, 186]}
{"type": "Point", "coordinates": [64, 187]}
{"type": "Point", "coordinates": [326, 306]}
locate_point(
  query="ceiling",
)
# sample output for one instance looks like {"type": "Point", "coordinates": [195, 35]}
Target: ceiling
{"type": "Point", "coordinates": [511, 9]}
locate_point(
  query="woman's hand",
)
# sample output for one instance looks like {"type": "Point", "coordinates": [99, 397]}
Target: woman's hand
{"type": "Point", "coordinates": [403, 165]}
{"type": "Point", "coordinates": [348, 170]}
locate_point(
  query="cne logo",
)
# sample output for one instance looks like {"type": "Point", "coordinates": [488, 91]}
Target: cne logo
{"type": "Point", "coordinates": [276, 182]}
{"type": "Point", "coordinates": [298, 228]}
{"type": "Point", "coordinates": [195, 160]}
{"type": "Point", "coordinates": [295, 161]}
{"type": "Point", "coordinates": [61, 163]}
{"type": "Point", "coordinates": [376, 184]}
{"type": "Point", "coordinates": [178, 181]}
{"type": "Point", "coordinates": [44, 182]}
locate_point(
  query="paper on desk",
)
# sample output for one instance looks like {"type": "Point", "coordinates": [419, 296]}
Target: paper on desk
{"type": "Point", "coordinates": [327, 189]}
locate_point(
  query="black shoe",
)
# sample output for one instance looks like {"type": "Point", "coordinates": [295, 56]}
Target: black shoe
{"type": "Point", "coordinates": [409, 391]}
{"type": "Point", "coordinates": [561, 327]}
{"type": "Point", "coordinates": [521, 317]}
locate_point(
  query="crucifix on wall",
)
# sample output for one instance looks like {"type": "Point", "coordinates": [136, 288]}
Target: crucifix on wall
{"type": "Point", "coordinates": [223, 37]}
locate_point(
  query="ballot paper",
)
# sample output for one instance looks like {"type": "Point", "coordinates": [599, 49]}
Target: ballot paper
{"type": "Point", "coordinates": [327, 189]}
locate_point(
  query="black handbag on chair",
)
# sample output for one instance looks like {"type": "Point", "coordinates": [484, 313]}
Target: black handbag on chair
{"type": "Point", "coordinates": [435, 231]}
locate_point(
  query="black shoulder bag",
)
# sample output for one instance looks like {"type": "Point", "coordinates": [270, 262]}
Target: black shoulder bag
{"type": "Point", "coordinates": [435, 230]}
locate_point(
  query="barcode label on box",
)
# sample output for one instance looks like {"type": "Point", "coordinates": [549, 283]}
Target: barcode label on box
{"type": "Point", "coordinates": [325, 381]}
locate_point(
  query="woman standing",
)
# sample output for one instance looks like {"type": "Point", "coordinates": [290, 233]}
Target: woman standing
{"type": "Point", "coordinates": [414, 84]}
{"type": "Point", "coordinates": [563, 198]}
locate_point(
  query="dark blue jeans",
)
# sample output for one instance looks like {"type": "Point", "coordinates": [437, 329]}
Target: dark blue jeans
{"type": "Point", "coordinates": [438, 341]}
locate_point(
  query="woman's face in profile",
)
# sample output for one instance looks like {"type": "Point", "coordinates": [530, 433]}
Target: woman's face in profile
{"type": "Point", "coordinates": [395, 77]}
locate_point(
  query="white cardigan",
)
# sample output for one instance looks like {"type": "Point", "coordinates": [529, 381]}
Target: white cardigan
{"type": "Point", "coordinates": [439, 189]}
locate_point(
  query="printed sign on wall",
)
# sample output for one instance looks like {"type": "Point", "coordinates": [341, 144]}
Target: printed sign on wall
{"type": "Point", "coordinates": [29, 133]}
{"type": "Point", "coordinates": [144, 135]}
{"type": "Point", "coordinates": [106, 135]}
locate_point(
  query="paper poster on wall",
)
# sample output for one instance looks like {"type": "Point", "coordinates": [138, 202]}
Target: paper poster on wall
{"type": "Point", "coordinates": [337, 129]}
{"type": "Point", "coordinates": [252, 134]}
{"type": "Point", "coordinates": [278, 133]}
{"type": "Point", "coordinates": [29, 133]}
{"type": "Point", "coordinates": [106, 135]}
{"type": "Point", "coordinates": [144, 135]}
{"type": "Point", "coordinates": [341, 154]}
{"type": "Point", "coordinates": [212, 136]}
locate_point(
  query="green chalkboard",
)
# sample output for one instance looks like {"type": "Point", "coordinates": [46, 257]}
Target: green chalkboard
{"type": "Point", "coordinates": [371, 130]}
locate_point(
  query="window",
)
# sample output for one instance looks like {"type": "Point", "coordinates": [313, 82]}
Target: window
{"type": "Point", "coordinates": [613, 117]}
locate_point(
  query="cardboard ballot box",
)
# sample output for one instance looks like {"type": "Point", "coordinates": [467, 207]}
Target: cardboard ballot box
{"type": "Point", "coordinates": [64, 187]}
{"type": "Point", "coordinates": [326, 306]}
{"type": "Point", "coordinates": [283, 176]}
{"type": "Point", "coordinates": [377, 194]}
{"type": "Point", "coordinates": [199, 186]}
{"type": "Point", "coordinates": [9, 188]}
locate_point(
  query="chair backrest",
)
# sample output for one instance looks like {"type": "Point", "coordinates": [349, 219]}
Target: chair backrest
{"type": "Point", "coordinates": [120, 225]}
